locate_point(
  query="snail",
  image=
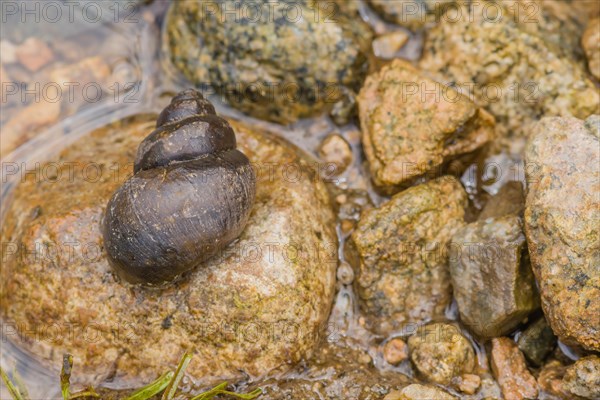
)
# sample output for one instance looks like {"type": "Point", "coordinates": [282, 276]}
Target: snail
{"type": "Point", "coordinates": [190, 196]}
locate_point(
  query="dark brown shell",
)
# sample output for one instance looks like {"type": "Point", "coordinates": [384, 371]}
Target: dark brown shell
{"type": "Point", "coordinates": [191, 195]}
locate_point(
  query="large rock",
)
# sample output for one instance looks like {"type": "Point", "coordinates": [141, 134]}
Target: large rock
{"type": "Point", "coordinates": [278, 61]}
{"type": "Point", "coordinates": [491, 276]}
{"type": "Point", "coordinates": [412, 124]}
{"type": "Point", "coordinates": [399, 250]}
{"type": "Point", "coordinates": [257, 307]}
{"type": "Point", "coordinates": [517, 60]}
{"type": "Point", "coordinates": [562, 229]}
{"type": "Point", "coordinates": [440, 352]}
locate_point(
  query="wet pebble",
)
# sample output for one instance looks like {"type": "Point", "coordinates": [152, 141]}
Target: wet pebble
{"type": "Point", "coordinates": [335, 150]}
{"type": "Point", "coordinates": [510, 370]}
{"type": "Point", "coordinates": [34, 53]}
{"type": "Point", "coordinates": [395, 351]}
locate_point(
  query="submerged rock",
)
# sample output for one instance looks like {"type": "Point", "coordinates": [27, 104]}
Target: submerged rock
{"type": "Point", "coordinates": [562, 228]}
{"type": "Point", "coordinates": [491, 275]}
{"type": "Point", "coordinates": [279, 61]}
{"type": "Point", "coordinates": [440, 352]}
{"type": "Point", "coordinates": [583, 378]}
{"type": "Point", "coordinates": [519, 66]}
{"type": "Point", "coordinates": [591, 45]}
{"type": "Point", "coordinates": [258, 306]}
{"type": "Point", "coordinates": [537, 341]}
{"type": "Point", "coordinates": [411, 124]}
{"type": "Point", "coordinates": [417, 391]}
{"type": "Point", "coordinates": [510, 370]}
{"type": "Point", "coordinates": [399, 251]}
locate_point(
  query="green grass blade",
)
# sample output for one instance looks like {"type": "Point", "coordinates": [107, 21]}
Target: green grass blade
{"type": "Point", "coordinates": [90, 392]}
{"type": "Point", "coordinates": [65, 376]}
{"type": "Point", "coordinates": [153, 388]}
{"type": "Point", "coordinates": [14, 392]}
{"type": "Point", "coordinates": [172, 388]}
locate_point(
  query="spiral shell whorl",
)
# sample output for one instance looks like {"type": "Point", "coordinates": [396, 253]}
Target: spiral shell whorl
{"type": "Point", "coordinates": [190, 196]}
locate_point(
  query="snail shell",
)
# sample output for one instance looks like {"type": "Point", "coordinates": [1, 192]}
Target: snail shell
{"type": "Point", "coordinates": [191, 195]}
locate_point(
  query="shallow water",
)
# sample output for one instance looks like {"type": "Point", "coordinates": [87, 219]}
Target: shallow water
{"type": "Point", "coordinates": [149, 91]}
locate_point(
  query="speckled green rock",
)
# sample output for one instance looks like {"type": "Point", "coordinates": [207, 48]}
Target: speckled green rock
{"type": "Point", "coordinates": [520, 66]}
{"type": "Point", "coordinates": [583, 378]}
{"type": "Point", "coordinates": [563, 234]}
{"type": "Point", "coordinates": [412, 14]}
{"type": "Point", "coordinates": [278, 61]}
{"type": "Point", "coordinates": [399, 251]}
{"type": "Point", "coordinates": [258, 306]}
{"type": "Point", "coordinates": [440, 352]}
{"type": "Point", "coordinates": [537, 341]}
{"type": "Point", "coordinates": [491, 276]}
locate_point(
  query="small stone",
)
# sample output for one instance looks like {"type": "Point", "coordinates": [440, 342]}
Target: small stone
{"type": "Point", "coordinates": [27, 122]}
{"type": "Point", "coordinates": [344, 109]}
{"type": "Point", "coordinates": [583, 378]}
{"type": "Point", "coordinates": [491, 276]}
{"type": "Point", "coordinates": [8, 52]}
{"type": "Point", "coordinates": [440, 352]}
{"type": "Point", "coordinates": [364, 358]}
{"type": "Point", "coordinates": [537, 341]}
{"type": "Point", "coordinates": [591, 45]}
{"type": "Point", "coordinates": [510, 370]}
{"type": "Point", "coordinates": [387, 46]}
{"type": "Point", "coordinates": [395, 351]}
{"type": "Point", "coordinates": [335, 150]}
{"type": "Point", "coordinates": [550, 379]}
{"type": "Point", "coordinates": [345, 273]}
{"type": "Point", "coordinates": [420, 392]}
{"type": "Point", "coordinates": [34, 53]}
{"type": "Point", "coordinates": [467, 383]}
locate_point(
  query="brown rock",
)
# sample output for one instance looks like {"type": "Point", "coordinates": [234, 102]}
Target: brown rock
{"type": "Point", "coordinates": [467, 383]}
{"type": "Point", "coordinates": [335, 150]}
{"type": "Point", "coordinates": [583, 378]}
{"type": "Point", "coordinates": [26, 122]}
{"type": "Point", "coordinates": [34, 53]}
{"type": "Point", "coordinates": [591, 45]}
{"type": "Point", "coordinates": [399, 251]}
{"type": "Point", "coordinates": [258, 306]}
{"type": "Point", "coordinates": [411, 124]}
{"type": "Point", "coordinates": [491, 276]}
{"type": "Point", "coordinates": [440, 352]}
{"type": "Point", "coordinates": [8, 52]}
{"type": "Point", "coordinates": [562, 228]}
{"type": "Point", "coordinates": [510, 370]}
{"type": "Point", "coordinates": [395, 351]}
